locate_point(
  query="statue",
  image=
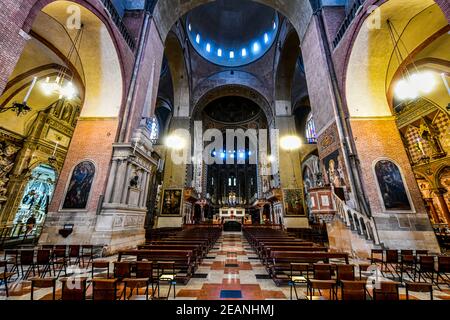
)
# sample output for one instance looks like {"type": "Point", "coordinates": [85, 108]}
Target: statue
{"type": "Point", "coordinates": [134, 182]}
{"type": "Point", "coordinates": [430, 134]}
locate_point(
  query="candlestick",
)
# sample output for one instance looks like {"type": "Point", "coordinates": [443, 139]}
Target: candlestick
{"type": "Point", "coordinates": [29, 90]}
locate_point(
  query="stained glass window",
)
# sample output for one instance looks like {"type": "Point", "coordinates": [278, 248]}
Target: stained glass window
{"type": "Point", "coordinates": [311, 136]}
{"type": "Point", "coordinates": [153, 126]}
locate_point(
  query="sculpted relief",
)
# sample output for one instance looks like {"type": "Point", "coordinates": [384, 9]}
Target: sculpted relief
{"type": "Point", "coordinates": [7, 156]}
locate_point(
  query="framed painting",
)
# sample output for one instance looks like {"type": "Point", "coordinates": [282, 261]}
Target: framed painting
{"type": "Point", "coordinates": [79, 187]}
{"type": "Point", "coordinates": [171, 202]}
{"type": "Point", "coordinates": [392, 187]}
{"type": "Point", "coordinates": [293, 202]}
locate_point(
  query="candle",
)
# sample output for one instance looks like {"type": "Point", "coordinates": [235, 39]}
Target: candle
{"type": "Point", "coordinates": [56, 146]}
{"type": "Point", "coordinates": [29, 90]}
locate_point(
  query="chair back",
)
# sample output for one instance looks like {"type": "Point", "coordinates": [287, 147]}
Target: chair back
{"type": "Point", "coordinates": [43, 256]}
{"type": "Point", "coordinates": [27, 257]}
{"type": "Point", "coordinates": [100, 265]}
{"type": "Point", "coordinates": [73, 289]}
{"type": "Point", "coordinates": [444, 264]}
{"type": "Point", "coordinates": [104, 289]}
{"type": "Point", "coordinates": [43, 284]}
{"type": "Point", "coordinates": [426, 264]}
{"type": "Point", "coordinates": [391, 256]}
{"type": "Point", "coordinates": [144, 269]}
{"type": "Point", "coordinates": [59, 253]}
{"type": "Point", "coordinates": [322, 271]}
{"type": "Point", "coordinates": [74, 251]}
{"type": "Point", "coordinates": [345, 272]}
{"type": "Point", "coordinates": [386, 291]}
{"type": "Point", "coordinates": [353, 290]}
{"type": "Point", "coordinates": [11, 254]}
{"type": "Point", "coordinates": [122, 270]}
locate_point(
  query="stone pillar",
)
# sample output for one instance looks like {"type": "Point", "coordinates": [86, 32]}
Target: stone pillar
{"type": "Point", "coordinates": [442, 203]}
{"type": "Point", "coordinates": [434, 215]}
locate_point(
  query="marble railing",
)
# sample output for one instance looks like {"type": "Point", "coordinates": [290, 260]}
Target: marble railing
{"type": "Point", "coordinates": [355, 220]}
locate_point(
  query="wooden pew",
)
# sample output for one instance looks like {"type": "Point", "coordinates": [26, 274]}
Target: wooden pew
{"type": "Point", "coordinates": [184, 264]}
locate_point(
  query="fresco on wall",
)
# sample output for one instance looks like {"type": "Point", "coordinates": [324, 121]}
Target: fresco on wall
{"type": "Point", "coordinates": [293, 202]}
{"type": "Point", "coordinates": [80, 186]}
{"type": "Point", "coordinates": [391, 186]}
{"type": "Point", "coordinates": [171, 202]}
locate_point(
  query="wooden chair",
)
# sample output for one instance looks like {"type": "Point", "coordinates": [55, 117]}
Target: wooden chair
{"type": "Point", "coordinates": [425, 268]}
{"type": "Point", "coordinates": [87, 252]}
{"type": "Point", "coordinates": [322, 280]}
{"type": "Point", "coordinates": [377, 256]}
{"type": "Point", "coordinates": [27, 259]}
{"type": "Point", "coordinates": [11, 257]}
{"type": "Point", "coordinates": [165, 273]}
{"type": "Point", "coordinates": [43, 259]}
{"type": "Point", "coordinates": [145, 269]}
{"type": "Point", "coordinates": [5, 275]}
{"type": "Point", "coordinates": [443, 269]}
{"type": "Point", "coordinates": [418, 287]}
{"type": "Point", "coordinates": [60, 261]}
{"type": "Point", "coordinates": [407, 264]}
{"type": "Point", "coordinates": [386, 291]}
{"type": "Point", "coordinates": [73, 289]}
{"type": "Point", "coordinates": [353, 290]}
{"type": "Point", "coordinates": [391, 262]}
{"type": "Point", "coordinates": [345, 272]}
{"type": "Point", "coordinates": [74, 253]}
{"type": "Point", "coordinates": [135, 284]}
{"type": "Point", "coordinates": [43, 284]}
{"type": "Point", "coordinates": [122, 270]}
{"type": "Point", "coordinates": [104, 289]}
{"type": "Point", "coordinates": [102, 265]}
{"type": "Point", "coordinates": [296, 276]}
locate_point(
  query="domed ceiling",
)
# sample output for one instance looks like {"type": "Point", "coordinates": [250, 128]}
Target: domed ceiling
{"type": "Point", "coordinates": [232, 32]}
{"type": "Point", "coordinates": [232, 109]}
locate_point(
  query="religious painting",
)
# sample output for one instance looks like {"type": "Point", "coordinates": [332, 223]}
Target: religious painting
{"type": "Point", "coordinates": [171, 202]}
{"type": "Point", "coordinates": [293, 202]}
{"type": "Point", "coordinates": [334, 169]}
{"type": "Point", "coordinates": [79, 186]}
{"type": "Point", "coordinates": [392, 188]}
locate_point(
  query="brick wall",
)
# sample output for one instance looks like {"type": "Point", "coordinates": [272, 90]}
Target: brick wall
{"type": "Point", "coordinates": [92, 140]}
{"type": "Point", "coordinates": [380, 138]}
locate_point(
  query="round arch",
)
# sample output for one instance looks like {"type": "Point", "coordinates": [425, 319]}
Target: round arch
{"type": "Point", "coordinates": [100, 55]}
{"type": "Point", "coordinates": [174, 54]}
{"type": "Point", "coordinates": [370, 68]}
{"type": "Point", "coordinates": [234, 90]}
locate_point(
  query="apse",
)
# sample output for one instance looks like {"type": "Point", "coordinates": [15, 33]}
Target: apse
{"type": "Point", "coordinates": [232, 33]}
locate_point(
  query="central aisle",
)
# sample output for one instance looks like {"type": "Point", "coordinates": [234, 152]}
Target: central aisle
{"type": "Point", "coordinates": [231, 271]}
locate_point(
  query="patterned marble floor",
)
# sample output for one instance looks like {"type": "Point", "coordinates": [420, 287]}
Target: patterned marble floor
{"type": "Point", "coordinates": [231, 271]}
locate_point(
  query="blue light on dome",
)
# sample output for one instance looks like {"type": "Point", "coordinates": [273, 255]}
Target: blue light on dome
{"type": "Point", "coordinates": [256, 47]}
{"type": "Point", "coordinates": [229, 53]}
{"type": "Point", "coordinates": [222, 155]}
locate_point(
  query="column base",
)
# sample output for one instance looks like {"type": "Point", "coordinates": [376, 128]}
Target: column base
{"type": "Point", "coordinates": [114, 229]}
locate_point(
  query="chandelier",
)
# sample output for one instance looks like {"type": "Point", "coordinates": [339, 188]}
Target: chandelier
{"type": "Point", "coordinates": [413, 83]}
{"type": "Point", "coordinates": [62, 85]}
